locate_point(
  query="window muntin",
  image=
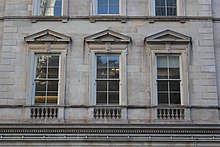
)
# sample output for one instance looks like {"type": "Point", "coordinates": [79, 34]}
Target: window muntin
{"type": "Point", "coordinates": [46, 79]}
{"type": "Point", "coordinates": [107, 79]}
{"type": "Point", "coordinates": [168, 79]}
{"type": "Point", "coordinates": [165, 7]}
{"type": "Point", "coordinates": [50, 7]}
{"type": "Point", "coordinates": [108, 6]}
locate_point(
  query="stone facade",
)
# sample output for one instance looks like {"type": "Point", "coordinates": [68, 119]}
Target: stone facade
{"type": "Point", "coordinates": [138, 36]}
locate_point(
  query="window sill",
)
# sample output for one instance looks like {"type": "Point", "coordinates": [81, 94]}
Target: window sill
{"type": "Point", "coordinates": [64, 19]}
{"type": "Point", "coordinates": [108, 17]}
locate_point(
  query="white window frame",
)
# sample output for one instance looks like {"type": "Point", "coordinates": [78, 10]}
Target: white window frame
{"type": "Point", "coordinates": [122, 75]}
{"type": "Point", "coordinates": [119, 79]}
{"type": "Point", "coordinates": [180, 8]}
{"type": "Point", "coordinates": [122, 8]}
{"type": "Point", "coordinates": [61, 86]}
{"type": "Point", "coordinates": [36, 8]}
{"type": "Point", "coordinates": [34, 77]}
{"type": "Point", "coordinates": [177, 50]}
{"type": "Point", "coordinates": [180, 79]}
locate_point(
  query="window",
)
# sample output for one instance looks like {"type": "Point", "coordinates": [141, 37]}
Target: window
{"type": "Point", "coordinates": [168, 79]}
{"type": "Point", "coordinates": [165, 7]}
{"type": "Point", "coordinates": [48, 7]}
{"type": "Point", "coordinates": [107, 79]}
{"type": "Point", "coordinates": [108, 69]}
{"type": "Point", "coordinates": [46, 81]}
{"type": "Point", "coordinates": [108, 6]}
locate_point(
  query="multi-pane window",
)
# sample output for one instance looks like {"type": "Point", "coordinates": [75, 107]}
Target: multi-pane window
{"type": "Point", "coordinates": [166, 7]}
{"type": "Point", "coordinates": [46, 81]}
{"type": "Point", "coordinates": [50, 7]}
{"type": "Point", "coordinates": [168, 79]}
{"type": "Point", "coordinates": [108, 6]}
{"type": "Point", "coordinates": [107, 79]}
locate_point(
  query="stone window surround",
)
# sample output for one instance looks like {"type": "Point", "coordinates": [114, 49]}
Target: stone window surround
{"type": "Point", "coordinates": [122, 9]}
{"type": "Point", "coordinates": [175, 49]}
{"type": "Point", "coordinates": [169, 42]}
{"type": "Point", "coordinates": [108, 42]}
{"type": "Point", "coordinates": [35, 9]}
{"type": "Point", "coordinates": [120, 50]}
{"type": "Point", "coordinates": [180, 8]}
{"type": "Point", "coordinates": [48, 42]}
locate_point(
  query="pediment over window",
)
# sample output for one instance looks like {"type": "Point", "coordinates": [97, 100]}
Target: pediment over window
{"type": "Point", "coordinates": [107, 36]}
{"type": "Point", "coordinates": [168, 36]}
{"type": "Point", "coordinates": [47, 36]}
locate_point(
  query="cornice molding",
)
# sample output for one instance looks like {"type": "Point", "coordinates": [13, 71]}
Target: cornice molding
{"type": "Point", "coordinates": [111, 132]}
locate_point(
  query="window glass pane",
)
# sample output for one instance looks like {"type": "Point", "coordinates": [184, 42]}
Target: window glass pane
{"type": "Point", "coordinates": [162, 86]}
{"type": "Point", "coordinates": [113, 73]}
{"type": "Point", "coordinates": [174, 86]}
{"type": "Point", "coordinates": [40, 92]}
{"type": "Point", "coordinates": [174, 72]}
{"type": "Point", "coordinates": [40, 97]}
{"type": "Point", "coordinates": [53, 66]}
{"type": "Point", "coordinates": [52, 97]}
{"type": "Point", "coordinates": [174, 98]}
{"type": "Point", "coordinates": [101, 97]}
{"type": "Point", "coordinates": [102, 73]}
{"type": "Point", "coordinates": [101, 85]}
{"type": "Point", "coordinates": [160, 11]}
{"type": "Point", "coordinates": [52, 86]}
{"type": "Point", "coordinates": [41, 66]}
{"type": "Point", "coordinates": [113, 85]}
{"type": "Point", "coordinates": [102, 9]}
{"type": "Point", "coordinates": [53, 61]}
{"type": "Point", "coordinates": [114, 2]}
{"type": "Point", "coordinates": [40, 86]}
{"type": "Point", "coordinates": [160, 3]}
{"type": "Point", "coordinates": [114, 9]}
{"type": "Point", "coordinates": [113, 97]}
{"type": "Point", "coordinates": [102, 2]}
{"type": "Point", "coordinates": [171, 12]}
{"type": "Point", "coordinates": [50, 7]}
{"type": "Point", "coordinates": [53, 73]}
{"type": "Point", "coordinates": [113, 66]}
{"type": "Point", "coordinates": [102, 67]}
{"type": "Point", "coordinates": [162, 98]}
{"type": "Point", "coordinates": [171, 3]}
{"type": "Point", "coordinates": [162, 71]}
{"type": "Point", "coordinates": [58, 8]}
{"type": "Point", "coordinates": [161, 61]}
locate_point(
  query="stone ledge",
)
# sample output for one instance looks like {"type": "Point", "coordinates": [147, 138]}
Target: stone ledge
{"type": "Point", "coordinates": [111, 132]}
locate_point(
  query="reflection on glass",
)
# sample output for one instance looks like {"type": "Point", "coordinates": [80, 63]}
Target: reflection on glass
{"type": "Point", "coordinates": [46, 80]}
{"type": "Point", "coordinates": [50, 7]}
{"type": "Point", "coordinates": [108, 6]}
{"type": "Point", "coordinates": [107, 82]}
{"type": "Point", "coordinates": [165, 8]}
